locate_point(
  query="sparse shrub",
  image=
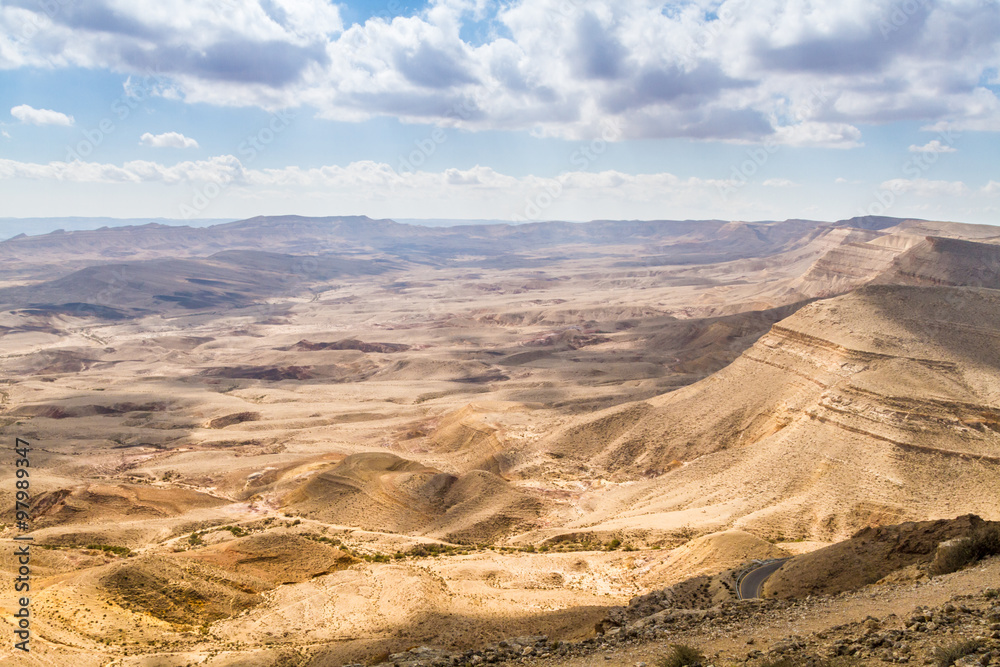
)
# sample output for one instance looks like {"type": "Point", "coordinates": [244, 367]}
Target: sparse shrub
{"type": "Point", "coordinates": [614, 544]}
{"type": "Point", "coordinates": [982, 543]}
{"type": "Point", "coordinates": [686, 532]}
{"type": "Point", "coordinates": [812, 661]}
{"type": "Point", "coordinates": [945, 656]}
{"type": "Point", "coordinates": [682, 655]}
{"type": "Point", "coordinates": [992, 593]}
{"type": "Point", "coordinates": [110, 548]}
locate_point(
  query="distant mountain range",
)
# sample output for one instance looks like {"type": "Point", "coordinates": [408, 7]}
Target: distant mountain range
{"type": "Point", "coordinates": [10, 227]}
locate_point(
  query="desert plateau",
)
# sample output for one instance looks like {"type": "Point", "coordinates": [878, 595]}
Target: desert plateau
{"type": "Point", "coordinates": [334, 441]}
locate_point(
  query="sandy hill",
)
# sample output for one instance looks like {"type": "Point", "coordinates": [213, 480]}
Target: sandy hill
{"type": "Point", "coordinates": [91, 503]}
{"type": "Point", "coordinates": [379, 491]}
{"type": "Point", "coordinates": [710, 554]}
{"type": "Point", "coordinates": [195, 587]}
{"type": "Point", "coordinates": [863, 408]}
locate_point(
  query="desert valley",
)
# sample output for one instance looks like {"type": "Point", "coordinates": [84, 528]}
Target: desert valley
{"type": "Point", "coordinates": [329, 441]}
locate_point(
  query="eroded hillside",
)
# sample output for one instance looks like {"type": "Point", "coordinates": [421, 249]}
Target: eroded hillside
{"type": "Point", "coordinates": [327, 439]}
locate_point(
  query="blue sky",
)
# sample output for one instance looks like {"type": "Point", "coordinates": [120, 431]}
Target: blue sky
{"type": "Point", "coordinates": [516, 110]}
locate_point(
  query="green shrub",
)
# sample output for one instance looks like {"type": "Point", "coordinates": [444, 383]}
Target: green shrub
{"type": "Point", "coordinates": [682, 655]}
{"type": "Point", "coordinates": [945, 656]}
{"type": "Point", "coordinates": [110, 548]}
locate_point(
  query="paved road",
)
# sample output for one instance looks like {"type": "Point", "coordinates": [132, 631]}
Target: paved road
{"type": "Point", "coordinates": [752, 583]}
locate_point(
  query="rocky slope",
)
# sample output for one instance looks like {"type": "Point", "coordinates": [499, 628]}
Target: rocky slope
{"type": "Point", "coordinates": [878, 406]}
{"type": "Point", "coordinates": [961, 628]}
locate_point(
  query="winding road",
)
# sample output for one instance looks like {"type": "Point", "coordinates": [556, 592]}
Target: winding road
{"type": "Point", "coordinates": [753, 581]}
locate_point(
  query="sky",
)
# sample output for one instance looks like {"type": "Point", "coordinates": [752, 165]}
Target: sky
{"type": "Point", "coordinates": [517, 110]}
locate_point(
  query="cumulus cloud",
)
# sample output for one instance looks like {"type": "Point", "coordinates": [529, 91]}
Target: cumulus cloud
{"type": "Point", "coordinates": [5, 134]}
{"type": "Point", "coordinates": [376, 180]}
{"type": "Point", "coordinates": [222, 168]}
{"type": "Point", "coordinates": [804, 73]}
{"type": "Point", "coordinates": [167, 140]}
{"type": "Point", "coordinates": [249, 42]}
{"type": "Point", "coordinates": [934, 146]}
{"type": "Point", "coordinates": [28, 114]}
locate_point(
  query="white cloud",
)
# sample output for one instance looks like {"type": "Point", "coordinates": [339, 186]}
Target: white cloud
{"type": "Point", "coordinates": [934, 146]}
{"type": "Point", "coordinates": [167, 140]}
{"type": "Point", "coordinates": [510, 196]}
{"type": "Point", "coordinates": [28, 114]}
{"type": "Point", "coordinates": [840, 180]}
{"type": "Point", "coordinates": [779, 183]}
{"type": "Point", "coordinates": [992, 188]}
{"type": "Point", "coordinates": [824, 135]}
{"type": "Point", "coordinates": [371, 186]}
{"type": "Point", "coordinates": [923, 187]}
{"type": "Point", "coordinates": [5, 134]}
{"type": "Point", "coordinates": [803, 73]}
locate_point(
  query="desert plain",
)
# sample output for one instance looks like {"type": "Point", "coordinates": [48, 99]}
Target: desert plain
{"type": "Point", "coordinates": [327, 441]}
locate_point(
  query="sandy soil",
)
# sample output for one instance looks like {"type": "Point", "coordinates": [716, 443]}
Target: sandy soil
{"type": "Point", "coordinates": [580, 419]}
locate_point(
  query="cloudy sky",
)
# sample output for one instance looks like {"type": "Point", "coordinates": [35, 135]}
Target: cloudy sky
{"type": "Point", "coordinates": [501, 109]}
